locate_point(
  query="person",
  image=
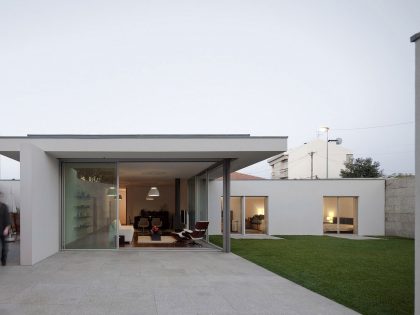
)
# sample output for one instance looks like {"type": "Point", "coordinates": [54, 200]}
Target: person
{"type": "Point", "coordinates": [4, 231]}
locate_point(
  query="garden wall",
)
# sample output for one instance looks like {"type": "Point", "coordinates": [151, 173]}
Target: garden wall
{"type": "Point", "coordinates": [399, 206]}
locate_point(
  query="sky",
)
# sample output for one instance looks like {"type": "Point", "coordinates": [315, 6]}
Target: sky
{"type": "Point", "coordinates": [267, 68]}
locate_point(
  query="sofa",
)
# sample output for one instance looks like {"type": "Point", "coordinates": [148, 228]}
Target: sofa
{"type": "Point", "coordinates": [127, 231]}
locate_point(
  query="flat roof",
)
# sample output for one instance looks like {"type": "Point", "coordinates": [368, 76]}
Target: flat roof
{"type": "Point", "coordinates": [142, 136]}
{"type": "Point", "coordinates": [242, 149]}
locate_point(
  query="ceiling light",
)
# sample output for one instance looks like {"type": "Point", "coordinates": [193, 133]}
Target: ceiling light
{"type": "Point", "coordinates": [153, 192]}
{"type": "Point", "coordinates": [111, 192]}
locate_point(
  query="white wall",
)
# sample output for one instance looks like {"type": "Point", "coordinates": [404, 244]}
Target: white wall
{"type": "Point", "coordinates": [136, 200]}
{"type": "Point", "coordinates": [40, 206]}
{"type": "Point", "coordinates": [295, 207]}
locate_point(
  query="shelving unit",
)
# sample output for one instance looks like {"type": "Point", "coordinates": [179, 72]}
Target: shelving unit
{"type": "Point", "coordinates": [83, 213]}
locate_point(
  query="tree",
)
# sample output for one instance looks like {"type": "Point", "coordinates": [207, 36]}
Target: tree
{"type": "Point", "coordinates": [361, 167]}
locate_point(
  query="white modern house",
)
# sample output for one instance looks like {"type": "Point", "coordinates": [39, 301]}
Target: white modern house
{"type": "Point", "coordinates": [310, 161]}
{"type": "Point", "coordinates": [70, 185]}
{"type": "Point", "coordinates": [75, 188]}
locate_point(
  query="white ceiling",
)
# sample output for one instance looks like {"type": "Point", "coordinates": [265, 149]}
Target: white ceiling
{"type": "Point", "coordinates": [159, 172]}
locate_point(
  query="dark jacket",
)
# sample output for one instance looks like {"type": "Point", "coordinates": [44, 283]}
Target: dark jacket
{"type": "Point", "coordinates": [4, 217]}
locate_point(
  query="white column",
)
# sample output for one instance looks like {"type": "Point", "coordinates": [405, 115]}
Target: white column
{"type": "Point", "coordinates": [40, 206]}
{"type": "Point", "coordinates": [226, 206]}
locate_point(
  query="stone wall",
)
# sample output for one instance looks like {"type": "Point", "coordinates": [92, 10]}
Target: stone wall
{"type": "Point", "coordinates": [399, 206]}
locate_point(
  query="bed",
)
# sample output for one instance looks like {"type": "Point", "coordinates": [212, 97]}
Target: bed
{"type": "Point", "coordinates": [346, 226]}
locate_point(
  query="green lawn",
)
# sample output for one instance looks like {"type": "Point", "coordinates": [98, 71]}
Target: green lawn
{"type": "Point", "coordinates": [369, 276]}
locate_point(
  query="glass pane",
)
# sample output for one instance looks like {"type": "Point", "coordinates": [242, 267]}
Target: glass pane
{"type": "Point", "coordinates": [235, 214]}
{"type": "Point", "coordinates": [202, 197]}
{"type": "Point", "coordinates": [90, 205]}
{"type": "Point", "coordinates": [330, 215]}
{"type": "Point", "coordinates": [191, 203]}
{"type": "Point", "coordinates": [216, 217]}
{"type": "Point", "coordinates": [255, 215]}
{"type": "Point", "coordinates": [346, 212]}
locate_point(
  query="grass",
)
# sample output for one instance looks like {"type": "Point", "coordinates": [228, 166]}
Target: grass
{"type": "Point", "coordinates": [369, 276]}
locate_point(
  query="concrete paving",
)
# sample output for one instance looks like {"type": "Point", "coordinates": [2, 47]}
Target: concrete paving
{"type": "Point", "coordinates": [255, 237]}
{"type": "Point", "coordinates": [354, 237]}
{"type": "Point", "coordinates": [138, 282]}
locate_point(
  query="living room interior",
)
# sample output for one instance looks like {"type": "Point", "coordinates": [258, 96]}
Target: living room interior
{"type": "Point", "coordinates": [153, 203]}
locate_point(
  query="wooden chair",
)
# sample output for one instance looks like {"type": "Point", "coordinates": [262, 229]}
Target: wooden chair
{"type": "Point", "coordinates": [143, 223]}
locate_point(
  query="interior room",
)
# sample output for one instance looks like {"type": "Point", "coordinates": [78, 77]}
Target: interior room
{"type": "Point", "coordinates": [255, 218]}
{"type": "Point", "coordinates": [158, 198]}
{"type": "Point", "coordinates": [235, 214]}
{"type": "Point", "coordinates": [340, 215]}
{"type": "Point", "coordinates": [248, 212]}
{"type": "Point", "coordinates": [155, 201]}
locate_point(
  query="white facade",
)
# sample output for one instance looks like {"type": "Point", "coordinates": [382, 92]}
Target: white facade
{"type": "Point", "coordinates": [295, 207]}
{"type": "Point", "coordinates": [40, 157]}
{"type": "Point", "coordinates": [296, 163]}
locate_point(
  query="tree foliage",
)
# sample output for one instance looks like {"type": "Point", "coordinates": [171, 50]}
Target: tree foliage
{"type": "Point", "coordinates": [361, 168]}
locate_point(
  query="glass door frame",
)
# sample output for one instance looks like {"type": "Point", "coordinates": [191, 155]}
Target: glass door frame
{"type": "Point", "coordinates": [62, 199]}
{"type": "Point", "coordinates": [355, 207]}
{"type": "Point", "coordinates": [117, 167]}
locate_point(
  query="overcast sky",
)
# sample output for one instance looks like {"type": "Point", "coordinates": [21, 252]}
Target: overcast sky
{"type": "Point", "coordinates": [280, 68]}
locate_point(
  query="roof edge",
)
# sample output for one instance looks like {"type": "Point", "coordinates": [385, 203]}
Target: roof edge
{"type": "Point", "coordinates": [142, 136]}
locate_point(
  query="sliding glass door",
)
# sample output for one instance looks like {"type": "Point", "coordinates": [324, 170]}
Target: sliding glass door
{"type": "Point", "coordinates": [90, 193]}
{"type": "Point", "coordinates": [340, 215]}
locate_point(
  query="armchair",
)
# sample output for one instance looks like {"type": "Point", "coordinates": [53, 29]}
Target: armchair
{"type": "Point", "coordinates": [190, 237]}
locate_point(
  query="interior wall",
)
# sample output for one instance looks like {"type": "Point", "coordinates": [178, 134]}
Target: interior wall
{"type": "Point", "coordinates": [253, 206]}
{"type": "Point", "coordinates": [236, 207]}
{"type": "Point", "coordinates": [346, 206]}
{"type": "Point", "coordinates": [136, 200]}
{"type": "Point", "coordinates": [122, 204]}
{"type": "Point", "coordinates": [236, 214]}
{"type": "Point", "coordinates": [330, 208]}
{"type": "Point", "coordinates": [184, 194]}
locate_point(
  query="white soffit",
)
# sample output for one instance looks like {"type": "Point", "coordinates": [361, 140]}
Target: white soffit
{"type": "Point", "coordinates": [160, 170]}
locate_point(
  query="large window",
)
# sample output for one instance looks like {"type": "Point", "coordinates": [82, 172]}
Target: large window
{"type": "Point", "coordinates": [340, 215]}
{"type": "Point", "coordinates": [90, 205]}
{"type": "Point", "coordinates": [235, 214]}
{"type": "Point", "coordinates": [247, 214]}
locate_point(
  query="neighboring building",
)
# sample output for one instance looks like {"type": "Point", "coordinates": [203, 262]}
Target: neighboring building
{"type": "Point", "coordinates": [310, 161]}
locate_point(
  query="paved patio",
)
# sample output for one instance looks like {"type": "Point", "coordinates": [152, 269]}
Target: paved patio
{"type": "Point", "coordinates": [153, 282]}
